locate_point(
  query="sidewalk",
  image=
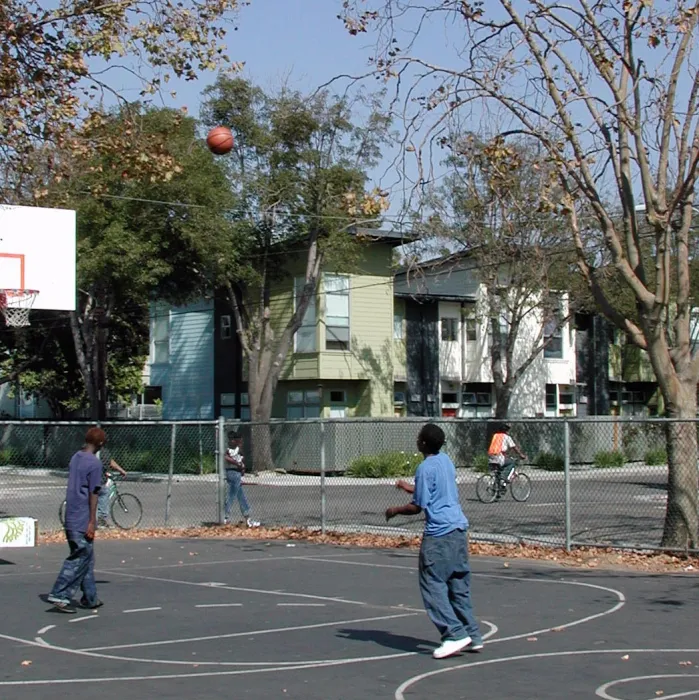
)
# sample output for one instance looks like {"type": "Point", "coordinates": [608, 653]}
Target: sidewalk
{"type": "Point", "coordinates": [273, 478]}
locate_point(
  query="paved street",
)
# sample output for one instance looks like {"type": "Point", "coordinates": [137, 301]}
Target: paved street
{"type": "Point", "coordinates": [620, 506]}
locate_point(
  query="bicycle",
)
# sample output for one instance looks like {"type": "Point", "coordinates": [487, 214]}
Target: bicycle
{"type": "Point", "coordinates": [488, 490]}
{"type": "Point", "coordinates": [125, 508]}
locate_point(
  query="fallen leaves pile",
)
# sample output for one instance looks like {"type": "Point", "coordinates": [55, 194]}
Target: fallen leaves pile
{"type": "Point", "coordinates": [582, 557]}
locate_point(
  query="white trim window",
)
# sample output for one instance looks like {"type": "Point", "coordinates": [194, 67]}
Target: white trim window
{"type": "Point", "coordinates": [226, 327]}
{"type": "Point", "coordinates": [305, 338]}
{"type": "Point", "coordinates": [398, 333]}
{"type": "Point", "coordinates": [160, 345]}
{"type": "Point", "coordinates": [471, 338]}
{"type": "Point", "coordinates": [337, 312]}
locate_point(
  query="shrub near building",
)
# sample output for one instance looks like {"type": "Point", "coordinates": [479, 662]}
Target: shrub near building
{"type": "Point", "coordinates": [384, 465]}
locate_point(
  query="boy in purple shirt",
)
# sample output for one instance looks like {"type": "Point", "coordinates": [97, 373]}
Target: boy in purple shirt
{"type": "Point", "coordinates": [445, 575]}
{"type": "Point", "coordinates": [84, 484]}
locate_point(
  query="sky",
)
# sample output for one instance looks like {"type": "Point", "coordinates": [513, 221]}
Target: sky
{"type": "Point", "coordinates": [300, 43]}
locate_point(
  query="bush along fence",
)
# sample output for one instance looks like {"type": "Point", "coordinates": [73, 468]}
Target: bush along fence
{"type": "Point", "coordinates": [595, 481]}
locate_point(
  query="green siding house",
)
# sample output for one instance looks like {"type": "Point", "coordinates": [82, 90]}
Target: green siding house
{"type": "Point", "coordinates": [344, 360]}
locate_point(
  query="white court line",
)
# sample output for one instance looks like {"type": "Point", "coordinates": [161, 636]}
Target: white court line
{"type": "Point", "coordinates": [251, 633]}
{"type": "Point", "coordinates": [220, 605]}
{"type": "Point", "coordinates": [247, 560]}
{"type": "Point", "coordinates": [44, 630]}
{"type": "Point", "coordinates": [620, 596]}
{"type": "Point", "coordinates": [241, 589]}
{"type": "Point", "coordinates": [271, 665]}
{"type": "Point", "coordinates": [400, 691]}
{"type": "Point", "coordinates": [362, 563]}
{"type": "Point", "coordinates": [139, 610]}
{"type": "Point", "coordinates": [297, 667]}
{"type": "Point", "coordinates": [300, 605]}
{"type": "Point", "coordinates": [602, 690]}
{"type": "Point", "coordinates": [292, 664]}
{"type": "Point", "coordinates": [250, 560]}
{"type": "Point", "coordinates": [82, 619]}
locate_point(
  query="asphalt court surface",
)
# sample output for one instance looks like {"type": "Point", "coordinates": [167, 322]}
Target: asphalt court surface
{"type": "Point", "coordinates": [252, 619]}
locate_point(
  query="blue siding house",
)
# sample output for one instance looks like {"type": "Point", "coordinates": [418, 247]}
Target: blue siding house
{"type": "Point", "coordinates": [182, 360]}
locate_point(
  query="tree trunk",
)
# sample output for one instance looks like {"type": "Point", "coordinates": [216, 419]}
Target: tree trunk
{"type": "Point", "coordinates": [261, 433]}
{"type": "Point", "coordinates": [681, 527]}
{"type": "Point", "coordinates": [84, 351]}
{"type": "Point", "coordinates": [503, 396]}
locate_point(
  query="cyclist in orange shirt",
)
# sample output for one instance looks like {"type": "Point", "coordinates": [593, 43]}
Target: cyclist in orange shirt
{"type": "Point", "coordinates": [499, 460]}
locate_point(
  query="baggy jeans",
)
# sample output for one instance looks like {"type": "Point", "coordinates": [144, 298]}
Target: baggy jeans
{"type": "Point", "coordinates": [445, 585]}
{"type": "Point", "coordinates": [235, 490]}
{"type": "Point", "coordinates": [78, 571]}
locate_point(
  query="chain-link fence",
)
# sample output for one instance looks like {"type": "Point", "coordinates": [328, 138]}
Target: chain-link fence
{"type": "Point", "coordinates": [587, 481]}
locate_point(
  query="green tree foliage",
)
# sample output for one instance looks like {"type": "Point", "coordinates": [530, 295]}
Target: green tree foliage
{"type": "Point", "coordinates": [298, 174]}
{"type": "Point", "coordinates": [62, 61]}
{"type": "Point", "coordinates": [139, 237]}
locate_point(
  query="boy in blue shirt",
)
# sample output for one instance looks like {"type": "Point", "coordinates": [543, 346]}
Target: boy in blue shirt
{"type": "Point", "coordinates": [445, 575]}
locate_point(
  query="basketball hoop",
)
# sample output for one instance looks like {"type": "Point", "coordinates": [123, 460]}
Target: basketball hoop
{"type": "Point", "coordinates": [15, 305]}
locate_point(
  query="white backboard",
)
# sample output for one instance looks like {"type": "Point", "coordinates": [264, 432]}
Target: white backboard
{"type": "Point", "coordinates": [37, 251]}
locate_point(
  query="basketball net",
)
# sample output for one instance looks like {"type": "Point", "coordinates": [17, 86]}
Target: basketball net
{"type": "Point", "coordinates": [15, 305]}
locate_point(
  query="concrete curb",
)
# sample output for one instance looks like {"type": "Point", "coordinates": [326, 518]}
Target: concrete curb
{"type": "Point", "coordinates": [463, 476]}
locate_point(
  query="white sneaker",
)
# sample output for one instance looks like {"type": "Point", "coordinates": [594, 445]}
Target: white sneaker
{"type": "Point", "coordinates": [475, 647]}
{"type": "Point", "coordinates": [252, 523]}
{"type": "Point", "coordinates": [451, 647]}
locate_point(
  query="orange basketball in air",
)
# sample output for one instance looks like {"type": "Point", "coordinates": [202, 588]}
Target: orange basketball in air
{"type": "Point", "coordinates": [220, 140]}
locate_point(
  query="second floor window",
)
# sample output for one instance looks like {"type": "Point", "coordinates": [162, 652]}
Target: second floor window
{"type": "Point", "coordinates": [397, 325]}
{"type": "Point", "coordinates": [161, 335]}
{"type": "Point", "coordinates": [553, 339]}
{"type": "Point", "coordinates": [226, 332]}
{"type": "Point", "coordinates": [337, 322]}
{"type": "Point", "coordinates": [305, 339]}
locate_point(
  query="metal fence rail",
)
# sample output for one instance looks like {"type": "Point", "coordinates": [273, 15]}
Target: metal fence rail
{"type": "Point", "coordinates": [599, 481]}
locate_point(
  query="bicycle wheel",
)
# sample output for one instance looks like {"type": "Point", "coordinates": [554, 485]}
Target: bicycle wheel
{"type": "Point", "coordinates": [126, 511]}
{"type": "Point", "coordinates": [62, 514]}
{"type": "Point", "coordinates": [520, 487]}
{"type": "Point", "coordinates": [486, 488]}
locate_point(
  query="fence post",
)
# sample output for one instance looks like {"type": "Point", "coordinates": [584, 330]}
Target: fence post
{"type": "Point", "coordinates": [322, 477]}
{"type": "Point", "coordinates": [220, 452]}
{"type": "Point", "coordinates": [170, 472]}
{"type": "Point", "coordinates": [566, 480]}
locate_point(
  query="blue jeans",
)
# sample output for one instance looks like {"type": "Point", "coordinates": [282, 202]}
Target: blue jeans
{"type": "Point", "coordinates": [78, 571]}
{"type": "Point", "coordinates": [103, 502]}
{"type": "Point", "coordinates": [445, 585]}
{"type": "Point", "coordinates": [235, 490]}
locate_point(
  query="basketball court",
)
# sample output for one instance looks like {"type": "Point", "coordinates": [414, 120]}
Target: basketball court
{"type": "Point", "coordinates": [253, 619]}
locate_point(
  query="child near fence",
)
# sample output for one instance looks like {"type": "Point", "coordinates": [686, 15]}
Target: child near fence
{"type": "Point", "coordinates": [235, 468]}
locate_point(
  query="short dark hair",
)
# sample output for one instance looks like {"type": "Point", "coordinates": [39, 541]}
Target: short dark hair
{"type": "Point", "coordinates": [432, 437]}
{"type": "Point", "coordinates": [234, 435]}
{"type": "Point", "coordinates": [96, 437]}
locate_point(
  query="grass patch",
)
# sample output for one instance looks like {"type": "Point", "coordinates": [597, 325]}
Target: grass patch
{"type": "Point", "coordinates": [608, 459]}
{"type": "Point", "coordinates": [655, 457]}
{"type": "Point", "coordinates": [480, 464]}
{"type": "Point", "coordinates": [384, 465]}
{"type": "Point", "coordinates": [11, 456]}
{"type": "Point", "coordinates": [550, 461]}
